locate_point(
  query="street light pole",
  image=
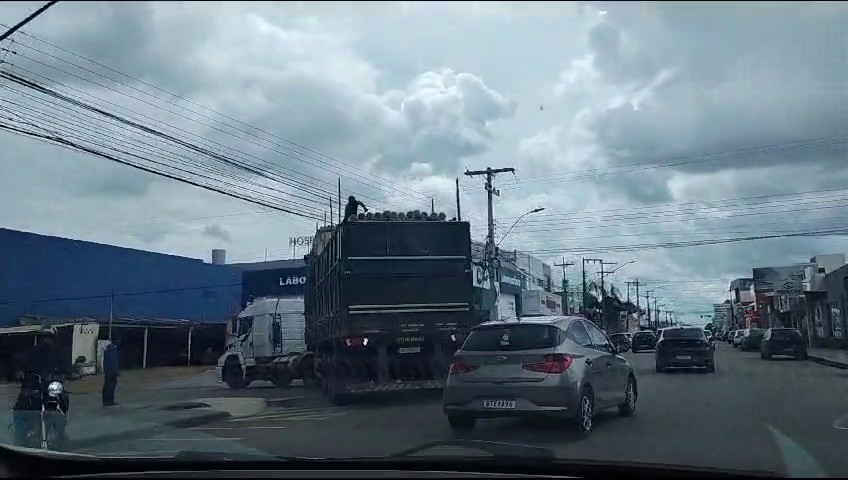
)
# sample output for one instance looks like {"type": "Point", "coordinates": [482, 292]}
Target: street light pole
{"type": "Point", "coordinates": [535, 210]}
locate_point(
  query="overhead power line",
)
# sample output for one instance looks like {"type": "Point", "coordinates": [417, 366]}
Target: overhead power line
{"type": "Point", "coordinates": [289, 148]}
{"type": "Point", "coordinates": [26, 20]}
{"type": "Point", "coordinates": [63, 141]}
{"type": "Point", "coordinates": [821, 142]}
{"type": "Point", "coordinates": [689, 243]}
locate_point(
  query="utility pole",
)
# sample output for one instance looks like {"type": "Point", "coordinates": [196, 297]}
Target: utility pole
{"type": "Point", "coordinates": [656, 312]}
{"type": "Point", "coordinates": [458, 211]}
{"type": "Point", "coordinates": [648, 306]}
{"type": "Point", "coordinates": [564, 264]}
{"type": "Point", "coordinates": [583, 298]}
{"type": "Point", "coordinates": [491, 253]}
{"type": "Point", "coordinates": [636, 284]}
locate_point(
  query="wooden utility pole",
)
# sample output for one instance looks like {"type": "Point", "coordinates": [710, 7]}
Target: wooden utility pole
{"type": "Point", "coordinates": [491, 253]}
{"type": "Point", "coordinates": [564, 264]}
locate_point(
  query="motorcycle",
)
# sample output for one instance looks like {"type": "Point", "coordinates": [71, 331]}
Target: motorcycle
{"type": "Point", "coordinates": [44, 415]}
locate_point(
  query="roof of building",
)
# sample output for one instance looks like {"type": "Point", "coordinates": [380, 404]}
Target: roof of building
{"type": "Point", "coordinates": [40, 236]}
{"type": "Point", "coordinates": [270, 265]}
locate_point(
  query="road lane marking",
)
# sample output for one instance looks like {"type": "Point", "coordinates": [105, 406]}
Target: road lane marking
{"type": "Point", "coordinates": [798, 462]}
{"type": "Point", "coordinates": [305, 413]}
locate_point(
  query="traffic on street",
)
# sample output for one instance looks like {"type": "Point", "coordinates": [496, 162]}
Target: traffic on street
{"type": "Point", "coordinates": [681, 417]}
{"type": "Point", "coordinates": [549, 238]}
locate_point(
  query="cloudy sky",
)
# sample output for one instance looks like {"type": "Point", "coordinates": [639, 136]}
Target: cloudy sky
{"type": "Point", "coordinates": [636, 126]}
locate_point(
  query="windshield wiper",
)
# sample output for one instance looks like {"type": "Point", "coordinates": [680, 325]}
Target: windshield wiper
{"type": "Point", "coordinates": [497, 449]}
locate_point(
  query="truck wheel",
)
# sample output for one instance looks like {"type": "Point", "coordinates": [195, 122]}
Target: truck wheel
{"type": "Point", "coordinates": [233, 375]}
{"type": "Point", "coordinates": [307, 373]}
{"type": "Point", "coordinates": [281, 382]}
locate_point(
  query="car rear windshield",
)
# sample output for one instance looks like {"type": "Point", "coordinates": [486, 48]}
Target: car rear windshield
{"type": "Point", "coordinates": [757, 332]}
{"type": "Point", "coordinates": [512, 337]}
{"type": "Point", "coordinates": [643, 334]}
{"type": "Point", "coordinates": [785, 333]}
{"type": "Point", "coordinates": [687, 333]}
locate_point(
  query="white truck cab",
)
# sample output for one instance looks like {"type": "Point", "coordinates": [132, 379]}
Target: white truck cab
{"type": "Point", "coordinates": [267, 344]}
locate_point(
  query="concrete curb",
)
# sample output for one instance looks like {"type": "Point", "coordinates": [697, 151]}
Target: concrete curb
{"type": "Point", "coordinates": [829, 363]}
{"type": "Point", "coordinates": [192, 421]}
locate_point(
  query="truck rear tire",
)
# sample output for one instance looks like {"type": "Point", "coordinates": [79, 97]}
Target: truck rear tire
{"type": "Point", "coordinates": [281, 382]}
{"type": "Point", "coordinates": [307, 374]}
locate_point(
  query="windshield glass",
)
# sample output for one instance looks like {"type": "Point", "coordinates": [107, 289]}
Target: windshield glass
{"type": "Point", "coordinates": [512, 337]}
{"type": "Point", "coordinates": [785, 333]}
{"type": "Point", "coordinates": [683, 333]}
{"type": "Point", "coordinates": [348, 229]}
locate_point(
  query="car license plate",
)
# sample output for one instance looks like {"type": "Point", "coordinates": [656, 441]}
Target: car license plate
{"type": "Point", "coordinates": [499, 404]}
{"type": "Point", "coordinates": [684, 357]}
{"type": "Point", "coordinates": [409, 349]}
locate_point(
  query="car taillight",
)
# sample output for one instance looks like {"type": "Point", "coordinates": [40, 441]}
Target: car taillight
{"type": "Point", "coordinates": [556, 363]}
{"type": "Point", "coordinates": [459, 367]}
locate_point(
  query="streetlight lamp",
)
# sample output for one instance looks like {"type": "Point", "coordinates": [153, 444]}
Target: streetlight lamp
{"type": "Point", "coordinates": [535, 210]}
{"type": "Point", "coordinates": [618, 267]}
{"type": "Point", "coordinates": [492, 253]}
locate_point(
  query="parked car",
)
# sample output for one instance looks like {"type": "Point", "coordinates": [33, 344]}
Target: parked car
{"type": "Point", "coordinates": [740, 334]}
{"type": "Point", "coordinates": [621, 341]}
{"type": "Point", "coordinates": [643, 340]}
{"type": "Point", "coordinates": [551, 365]}
{"type": "Point", "coordinates": [729, 337]}
{"type": "Point", "coordinates": [684, 347]}
{"type": "Point", "coordinates": [783, 341]}
{"type": "Point", "coordinates": [752, 339]}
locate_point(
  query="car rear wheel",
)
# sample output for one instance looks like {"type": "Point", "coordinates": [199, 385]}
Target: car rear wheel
{"type": "Point", "coordinates": [461, 423]}
{"type": "Point", "coordinates": [628, 408]}
{"type": "Point", "coordinates": [634, 350]}
{"type": "Point", "coordinates": [660, 369]}
{"type": "Point", "coordinates": [585, 413]}
{"type": "Point", "coordinates": [711, 368]}
{"type": "Point", "coordinates": [801, 355]}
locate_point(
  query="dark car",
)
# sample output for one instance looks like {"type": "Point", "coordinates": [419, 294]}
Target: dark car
{"type": "Point", "coordinates": [783, 341]}
{"type": "Point", "coordinates": [684, 347]}
{"type": "Point", "coordinates": [643, 340]}
{"type": "Point", "coordinates": [752, 340]}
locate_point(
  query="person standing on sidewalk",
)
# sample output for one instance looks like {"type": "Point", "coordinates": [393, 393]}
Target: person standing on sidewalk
{"type": "Point", "coordinates": [110, 372]}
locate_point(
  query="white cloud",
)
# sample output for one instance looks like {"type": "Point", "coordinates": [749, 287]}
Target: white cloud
{"type": "Point", "coordinates": [408, 95]}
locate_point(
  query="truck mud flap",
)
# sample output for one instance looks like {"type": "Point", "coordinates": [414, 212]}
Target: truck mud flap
{"type": "Point", "coordinates": [395, 386]}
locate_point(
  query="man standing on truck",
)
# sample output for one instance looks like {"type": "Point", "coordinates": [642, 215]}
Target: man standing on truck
{"type": "Point", "coordinates": [352, 207]}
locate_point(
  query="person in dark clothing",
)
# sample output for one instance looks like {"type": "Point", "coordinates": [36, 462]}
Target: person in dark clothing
{"type": "Point", "coordinates": [352, 207]}
{"type": "Point", "coordinates": [110, 372]}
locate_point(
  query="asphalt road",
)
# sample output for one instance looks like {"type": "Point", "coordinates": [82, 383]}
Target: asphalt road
{"type": "Point", "coordinates": [782, 416]}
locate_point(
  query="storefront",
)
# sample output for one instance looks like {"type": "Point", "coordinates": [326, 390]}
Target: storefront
{"type": "Point", "coordinates": [511, 288]}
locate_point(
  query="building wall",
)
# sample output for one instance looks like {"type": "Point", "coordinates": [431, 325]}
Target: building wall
{"type": "Point", "coordinates": [53, 276]}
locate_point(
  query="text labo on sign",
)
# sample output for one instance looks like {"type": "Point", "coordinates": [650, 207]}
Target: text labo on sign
{"type": "Point", "coordinates": [288, 281]}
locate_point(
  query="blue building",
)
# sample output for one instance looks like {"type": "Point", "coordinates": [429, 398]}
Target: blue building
{"type": "Point", "coordinates": [283, 278]}
{"type": "Point", "coordinates": [52, 276]}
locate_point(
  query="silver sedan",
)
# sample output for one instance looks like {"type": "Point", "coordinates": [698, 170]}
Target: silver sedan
{"type": "Point", "coordinates": [552, 365]}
